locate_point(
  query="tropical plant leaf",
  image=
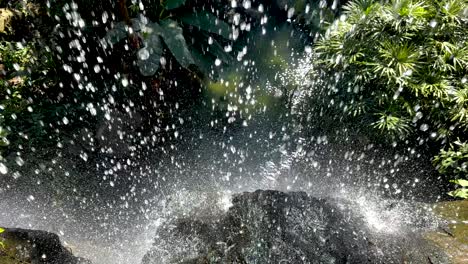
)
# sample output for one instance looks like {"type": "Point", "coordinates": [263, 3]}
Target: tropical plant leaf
{"type": "Point", "coordinates": [208, 22]}
{"type": "Point", "coordinates": [393, 125]}
{"type": "Point", "coordinates": [172, 4]}
{"type": "Point", "coordinates": [202, 62]}
{"type": "Point", "coordinates": [461, 182]}
{"type": "Point", "coordinates": [148, 58]}
{"type": "Point", "coordinates": [459, 193]}
{"type": "Point", "coordinates": [175, 41]}
{"type": "Point", "coordinates": [217, 50]}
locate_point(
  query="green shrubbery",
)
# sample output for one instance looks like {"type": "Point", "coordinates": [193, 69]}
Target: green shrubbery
{"type": "Point", "coordinates": [401, 66]}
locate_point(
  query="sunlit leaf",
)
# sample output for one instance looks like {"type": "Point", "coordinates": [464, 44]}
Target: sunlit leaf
{"type": "Point", "coordinates": [6, 16]}
{"type": "Point", "coordinates": [208, 22]}
{"type": "Point", "coordinates": [459, 193]}
{"type": "Point", "coordinates": [461, 182]}
{"type": "Point", "coordinates": [393, 125]}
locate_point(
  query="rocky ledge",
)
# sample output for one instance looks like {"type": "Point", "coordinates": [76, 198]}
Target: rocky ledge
{"type": "Point", "coordinates": [276, 227]}
{"type": "Point", "coordinates": [34, 247]}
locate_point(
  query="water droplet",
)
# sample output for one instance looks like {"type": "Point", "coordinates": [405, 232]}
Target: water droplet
{"type": "Point", "coordinates": [76, 76]}
{"type": "Point", "coordinates": [247, 4]}
{"type": "Point", "coordinates": [97, 68]}
{"type": "Point", "coordinates": [16, 175]}
{"type": "Point", "coordinates": [19, 161]}
{"type": "Point", "coordinates": [125, 82]}
{"type": "Point", "coordinates": [3, 169]}
{"type": "Point", "coordinates": [236, 19]}
{"type": "Point", "coordinates": [408, 72]}
{"type": "Point", "coordinates": [217, 62]}
{"type": "Point", "coordinates": [261, 9]}
{"type": "Point", "coordinates": [424, 127]}
{"type": "Point", "coordinates": [84, 156]}
{"type": "Point", "coordinates": [65, 120]}
{"type": "Point", "coordinates": [104, 17]}
{"type": "Point", "coordinates": [162, 60]}
{"type": "Point", "coordinates": [143, 54]}
{"type": "Point", "coordinates": [291, 12]}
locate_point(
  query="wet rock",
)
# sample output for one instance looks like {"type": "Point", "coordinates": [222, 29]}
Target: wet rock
{"type": "Point", "coordinates": [34, 247]}
{"type": "Point", "coordinates": [277, 227]}
{"type": "Point", "coordinates": [452, 239]}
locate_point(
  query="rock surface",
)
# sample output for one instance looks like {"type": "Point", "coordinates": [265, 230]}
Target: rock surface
{"type": "Point", "coordinates": [34, 247]}
{"type": "Point", "coordinates": [454, 238]}
{"type": "Point", "coordinates": [277, 227]}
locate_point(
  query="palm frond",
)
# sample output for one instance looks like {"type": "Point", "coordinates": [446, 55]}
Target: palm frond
{"type": "Point", "coordinates": [391, 124]}
{"type": "Point", "coordinates": [360, 9]}
{"type": "Point", "coordinates": [402, 58]}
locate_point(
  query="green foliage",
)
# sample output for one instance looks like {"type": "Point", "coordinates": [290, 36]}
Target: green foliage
{"type": "Point", "coordinates": [175, 41]}
{"type": "Point", "coordinates": [208, 22]}
{"type": "Point", "coordinates": [406, 62]}
{"type": "Point", "coordinates": [16, 59]}
{"type": "Point", "coordinates": [148, 57]}
{"type": "Point", "coordinates": [168, 33]}
{"type": "Point", "coordinates": [405, 58]}
{"type": "Point", "coordinates": [453, 161]}
{"type": "Point", "coordinates": [11, 54]}
{"type": "Point", "coordinates": [172, 4]}
{"type": "Point", "coordinates": [460, 192]}
{"type": "Point", "coordinates": [15, 11]}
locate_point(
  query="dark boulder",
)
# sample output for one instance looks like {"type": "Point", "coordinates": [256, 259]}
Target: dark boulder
{"type": "Point", "coordinates": [277, 227]}
{"type": "Point", "coordinates": [34, 246]}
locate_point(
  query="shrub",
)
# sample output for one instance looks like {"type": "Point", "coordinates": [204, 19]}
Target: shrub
{"type": "Point", "coordinates": [401, 67]}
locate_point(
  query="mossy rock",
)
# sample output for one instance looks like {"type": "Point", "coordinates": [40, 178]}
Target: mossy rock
{"type": "Point", "coordinates": [13, 250]}
{"type": "Point", "coordinates": [453, 240]}
{"type": "Point", "coordinates": [33, 246]}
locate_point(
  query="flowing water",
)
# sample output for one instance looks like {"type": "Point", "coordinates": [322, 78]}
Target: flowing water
{"type": "Point", "coordinates": [111, 208]}
{"type": "Point", "coordinates": [119, 226]}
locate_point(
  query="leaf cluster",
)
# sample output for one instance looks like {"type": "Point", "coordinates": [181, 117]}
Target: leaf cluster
{"type": "Point", "coordinates": [404, 65]}
{"type": "Point", "coordinates": [176, 31]}
{"type": "Point", "coordinates": [403, 59]}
